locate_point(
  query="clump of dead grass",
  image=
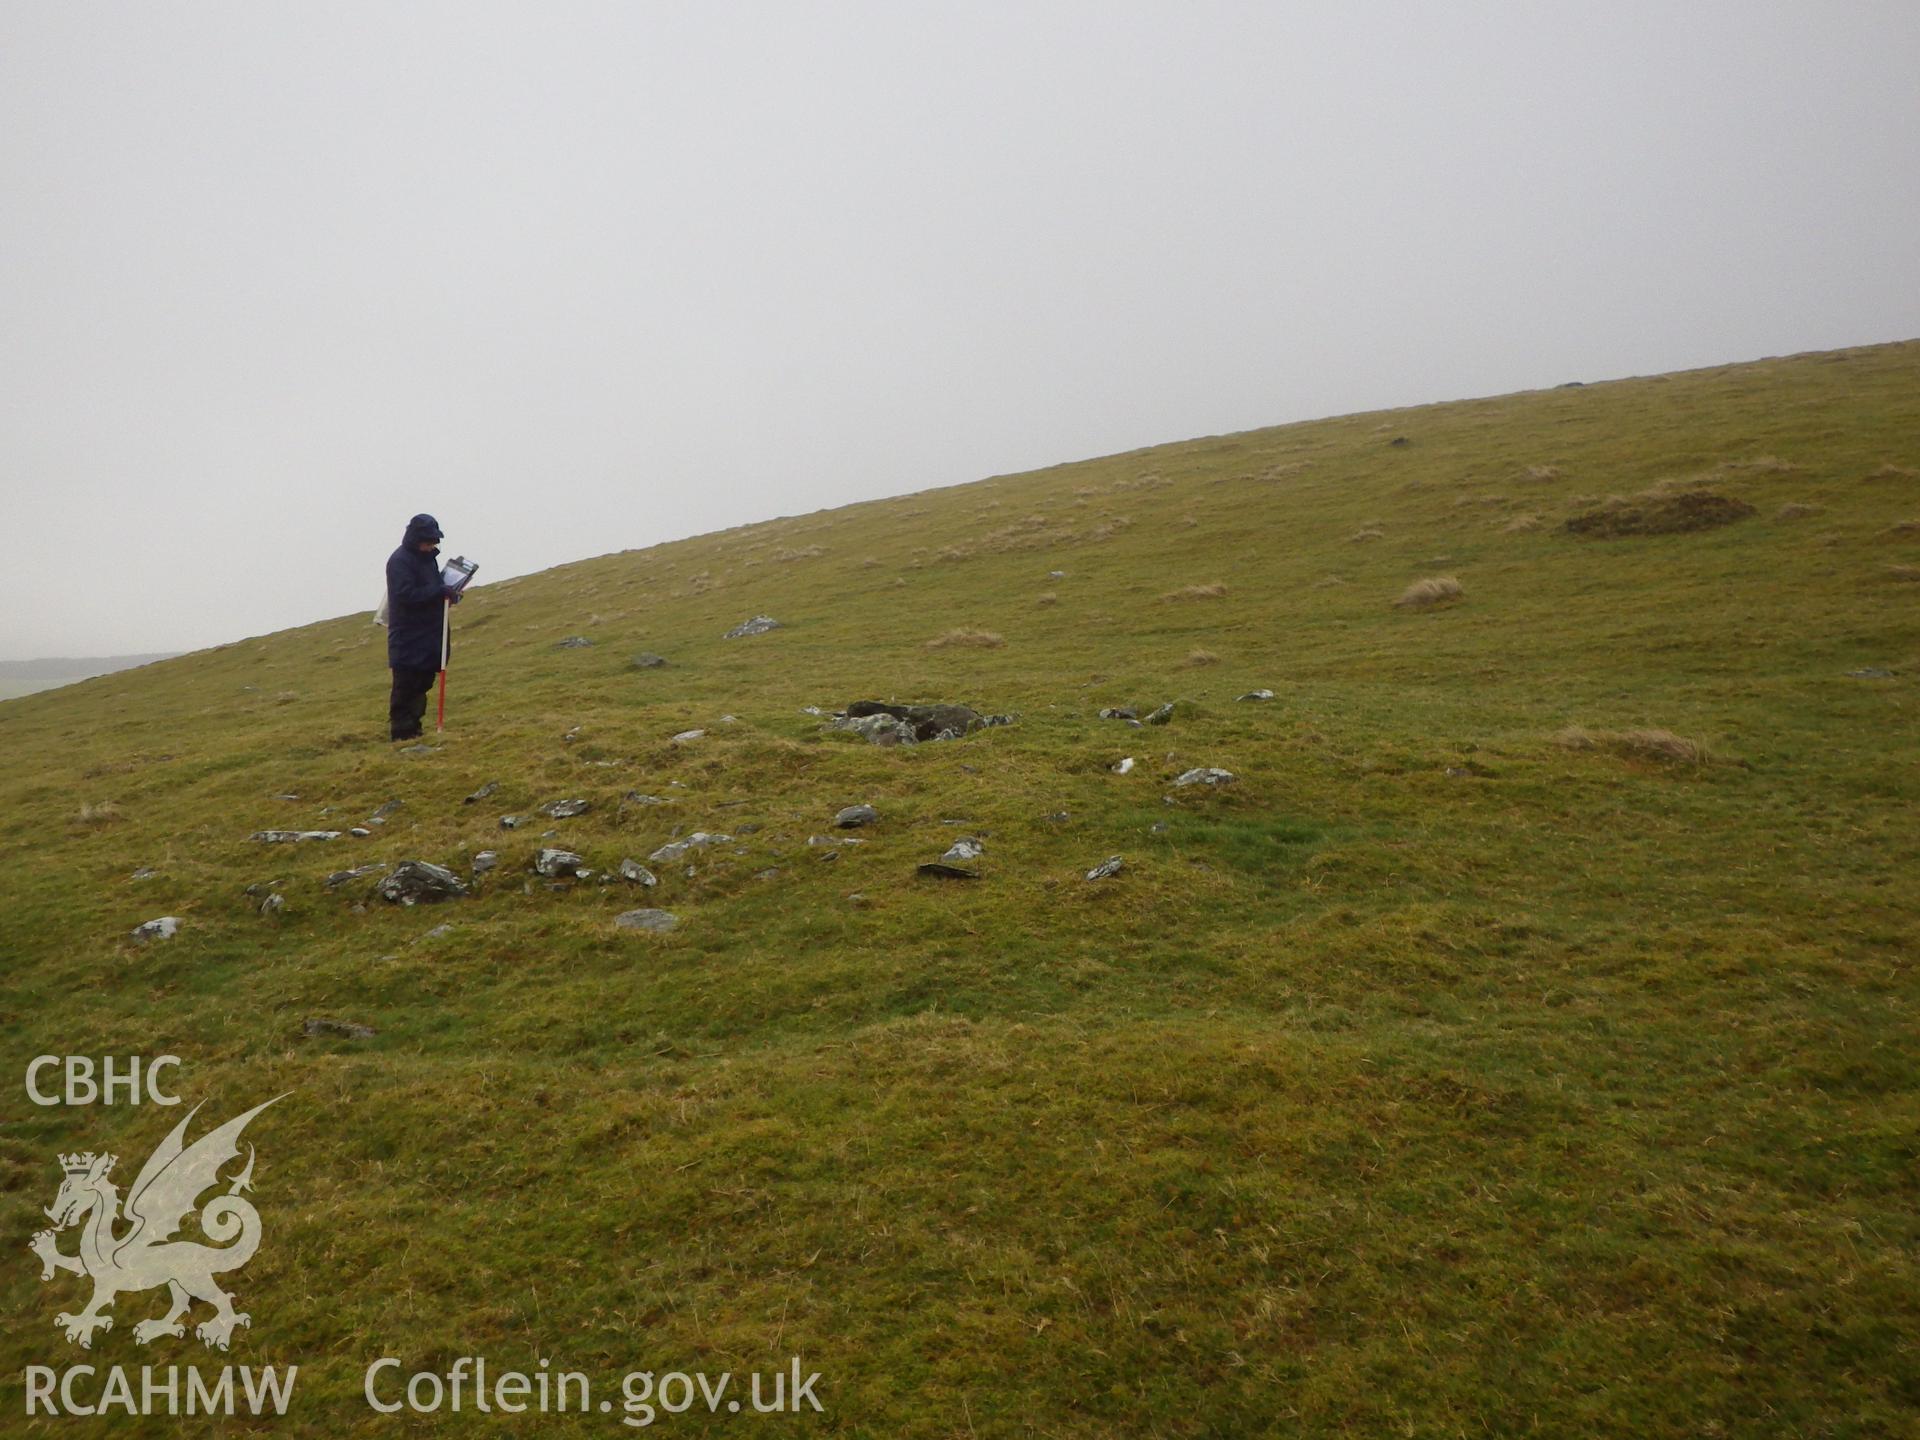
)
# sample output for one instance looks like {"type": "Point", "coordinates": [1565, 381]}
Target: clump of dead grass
{"type": "Point", "coordinates": [1046, 597]}
{"type": "Point", "coordinates": [1434, 590]}
{"type": "Point", "coordinates": [1669, 508]}
{"type": "Point", "coordinates": [105, 813]}
{"type": "Point", "coordinates": [1540, 474]}
{"type": "Point", "coordinates": [1662, 746]}
{"type": "Point", "coordinates": [1794, 510]}
{"type": "Point", "coordinates": [1198, 658]}
{"type": "Point", "coordinates": [967, 637]}
{"type": "Point", "coordinates": [1521, 524]}
{"type": "Point", "coordinates": [1366, 533]}
{"type": "Point", "coordinates": [1903, 572]}
{"type": "Point", "coordinates": [1891, 471]}
{"type": "Point", "coordinates": [1211, 591]}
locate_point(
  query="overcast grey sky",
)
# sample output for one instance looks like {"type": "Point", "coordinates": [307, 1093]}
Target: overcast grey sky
{"type": "Point", "coordinates": [578, 277]}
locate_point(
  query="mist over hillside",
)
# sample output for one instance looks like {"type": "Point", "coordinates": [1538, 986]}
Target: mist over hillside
{"type": "Point", "coordinates": [24, 677]}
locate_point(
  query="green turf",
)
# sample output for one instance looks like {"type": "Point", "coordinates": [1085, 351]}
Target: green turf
{"type": "Point", "coordinates": [1433, 1079]}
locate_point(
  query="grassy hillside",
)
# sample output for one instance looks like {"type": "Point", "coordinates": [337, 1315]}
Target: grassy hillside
{"type": "Point", "coordinates": [1452, 1072]}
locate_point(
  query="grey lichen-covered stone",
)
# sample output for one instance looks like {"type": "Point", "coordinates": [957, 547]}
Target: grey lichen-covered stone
{"type": "Point", "coordinates": [566, 809]}
{"type": "Point", "coordinates": [273, 905]}
{"type": "Point", "coordinates": [415, 881]}
{"type": "Point", "coordinates": [573, 642]}
{"type": "Point", "coordinates": [680, 849]}
{"type": "Point", "coordinates": [647, 660]}
{"type": "Point", "coordinates": [687, 737]}
{"type": "Point", "coordinates": [1205, 775]}
{"type": "Point", "coordinates": [485, 861]}
{"type": "Point", "coordinates": [292, 837]}
{"type": "Point", "coordinates": [1870, 672]}
{"type": "Point", "coordinates": [360, 832]}
{"type": "Point", "coordinates": [387, 809]}
{"type": "Point", "coordinates": [552, 862]}
{"type": "Point", "coordinates": [143, 873]}
{"type": "Point", "coordinates": [856, 815]}
{"type": "Point", "coordinates": [509, 822]}
{"type": "Point", "coordinates": [163, 928]}
{"type": "Point", "coordinates": [1257, 695]}
{"type": "Point", "coordinates": [1122, 767]}
{"type": "Point", "coordinates": [962, 850]}
{"type": "Point", "coordinates": [1107, 868]}
{"type": "Point", "coordinates": [634, 797]}
{"type": "Point", "coordinates": [358, 872]}
{"type": "Point", "coordinates": [758, 625]}
{"type": "Point", "coordinates": [316, 1025]}
{"type": "Point", "coordinates": [941, 870]}
{"type": "Point", "coordinates": [656, 921]}
{"type": "Point", "coordinates": [1119, 712]}
{"type": "Point", "coordinates": [633, 871]}
{"type": "Point", "coordinates": [482, 793]}
{"type": "Point", "coordinates": [1161, 715]}
{"type": "Point", "coordinates": [888, 724]}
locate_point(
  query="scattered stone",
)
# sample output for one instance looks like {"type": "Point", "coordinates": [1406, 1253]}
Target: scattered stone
{"type": "Point", "coordinates": [273, 905]}
{"type": "Point", "coordinates": [962, 850]}
{"type": "Point", "coordinates": [566, 809]}
{"type": "Point", "coordinates": [813, 710]}
{"type": "Point", "coordinates": [571, 736]}
{"type": "Point", "coordinates": [887, 724]}
{"type": "Point", "coordinates": [161, 929]}
{"type": "Point", "coordinates": [340, 1029]}
{"type": "Point", "coordinates": [657, 921]}
{"type": "Point", "coordinates": [286, 797]}
{"type": "Point", "coordinates": [387, 809]}
{"type": "Point", "coordinates": [831, 840]}
{"type": "Point", "coordinates": [143, 873]}
{"type": "Point", "coordinates": [1121, 767]}
{"type": "Point", "coordinates": [414, 881]}
{"type": "Point", "coordinates": [634, 797]}
{"type": "Point", "coordinates": [509, 822]}
{"type": "Point", "coordinates": [1159, 827]}
{"type": "Point", "coordinates": [1119, 712]}
{"type": "Point", "coordinates": [1257, 695]}
{"type": "Point", "coordinates": [728, 720]}
{"type": "Point", "coordinates": [551, 862]}
{"type": "Point", "coordinates": [1059, 817]}
{"type": "Point", "coordinates": [940, 870]}
{"type": "Point", "coordinates": [1869, 672]}
{"type": "Point", "coordinates": [358, 872]}
{"type": "Point", "coordinates": [1399, 440]}
{"type": "Point", "coordinates": [1056, 574]}
{"type": "Point", "coordinates": [1206, 775]}
{"type": "Point", "coordinates": [292, 837]}
{"type": "Point", "coordinates": [482, 793]}
{"type": "Point", "coordinates": [1162, 715]}
{"type": "Point", "coordinates": [647, 660]}
{"type": "Point", "coordinates": [855, 816]}
{"type": "Point", "coordinates": [768, 874]}
{"type": "Point", "coordinates": [360, 832]}
{"type": "Point", "coordinates": [573, 642]}
{"type": "Point", "coordinates": [485, 861]}
{"type": "Point", "coordinates": [635, 873]}
{"type": "Point", "coordinates": [680, 849]}
{"type": "Point", "coordinates": [1107, 868]}
{"type": "Point", "coordinates": [418, 749]}
{"type": "Point", "coordinates": [758, 625]}
{"type": "Point", "coordinates": [687, 737]}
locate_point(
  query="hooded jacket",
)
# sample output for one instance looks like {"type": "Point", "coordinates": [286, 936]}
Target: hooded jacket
{"type": "Point", "coordinates": [414, 595]}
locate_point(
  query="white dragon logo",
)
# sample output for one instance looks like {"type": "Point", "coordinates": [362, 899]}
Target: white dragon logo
{"type": "Point", "coordinates": [163, 1194]}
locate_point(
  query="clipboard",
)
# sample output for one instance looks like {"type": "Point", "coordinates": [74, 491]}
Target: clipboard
{"type": "Point", "coordinates": [457, 572]}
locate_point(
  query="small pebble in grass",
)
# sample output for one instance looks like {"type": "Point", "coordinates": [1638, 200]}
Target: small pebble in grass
{"type": "Point", "coordinates": [1119, 712]}
{"type": "Point", "coordinates": [1257, 695]}
{"type": "Point", "coordinates": [856, 815]}
{"type": "Point", "coordinates": [656, 921]}
{"type": "Point", "coordinates": [360, 832]}
{"type": "Point", "coordinates": [680, 849]}
{"type": "Point", "coordinates": [1159, 827]}
{"type": "Point", "coordinates": [634, 872]}
{"type": "Point", "coordinates": [1161, 715]}
{"type": "Point", "coordinates": [566, 809]}
{"type": "Point", "coordinates": [143, 873]}
{"type": "Point", "coordinates": [482, 793]}
{"type": "Point", "coordinates": [509, 822]}
{"type": "Point", "coordinates": [687, 737]}
{"type": "Point", "coordinates": [962, 850]}
{"type": "Point", "coordinates": [1870, 672]}
{"type": "Point", "coordinates": [485, 861]}
{"type": "Point", "coordinates": [336, 1029]}
{"type": "Point", "coordinates": [1107, 868]}
{"type": "Point", "coordinates": [1122, 767]}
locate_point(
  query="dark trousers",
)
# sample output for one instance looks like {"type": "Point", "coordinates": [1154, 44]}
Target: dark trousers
{"type": "Point", "coordinates": [408, 707]}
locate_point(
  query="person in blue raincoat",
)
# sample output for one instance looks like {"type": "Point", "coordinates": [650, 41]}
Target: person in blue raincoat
{"type": "Point", "coordinates": [416, 598]}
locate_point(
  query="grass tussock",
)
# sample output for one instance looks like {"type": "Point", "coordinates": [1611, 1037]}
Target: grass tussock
{"type": "Point", "coordinates": [1794, 510]}
{"type": "Point", "coordinates": [1908, 573]}
{"type": "Point", "coordinates": [1901, 530]}
{"type": "Point", "coordinates": [1433, 591]}
{"type": "Point", "coordinates": [105, 813]}
{"type": "Point", "coordinates": [1662, 746]}
{"type": "Point", "coordinates": [967, 637]}
{"type": "Point", "coordinates": [1540, 474]}
{"type": "Point", "coordinates": [1666, 509]}
{"type": "Point", "coordinates": [1198, 658]}
{"type": "Point", "coordinates": [1890, 471]}
{"type": "Point", "coordinates": [1213, 591]}
{"type": "Point", "coordinates": [1366, 533]}
{"type": "Point", "coordinates": [1046, 597]}
{"type": "Point", "coordinates": [1522, 524]}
